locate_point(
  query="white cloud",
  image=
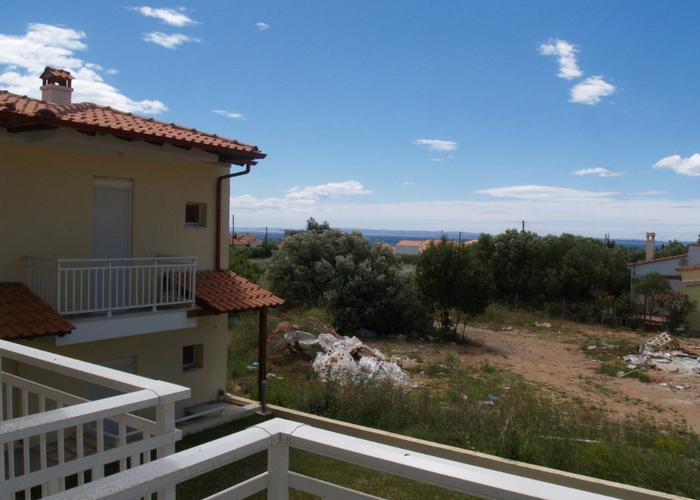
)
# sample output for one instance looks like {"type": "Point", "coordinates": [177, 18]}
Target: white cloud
{"type": "Point", "coordinates": [329, 190]}
{"type": "Point", "coordinates": [566, 56]}
{"type": "Point", "coordinates": [23, 58]}
{"type": "Point", "coordinates": [229, 114]}
{"type": "Point", "coordinates": [168, 40]}
{"type": "Point", "coordinates": [591, 90]}
{"type": "Point", "coordinates": [298, 197]}
{"type": "Point", "coordinates": [683, 166]}
{"type": "Point", "coordinates": [599, 171]}
{"type": "Point", "coordinates": [406, 184]}
{"type": "Point", "coordinates": [545, 193]}
{"type": "Point", "coordinates": [437, 144]}
{"type": "Point", "coordinates": [112, 71]}
{"type": "Point", "coordinates": [262, 26]}
{"type": "Point", "coordinates": [173, 17]}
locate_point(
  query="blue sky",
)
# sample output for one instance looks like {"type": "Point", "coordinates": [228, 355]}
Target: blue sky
{"type": "Point", "coordinates": [407, 115]}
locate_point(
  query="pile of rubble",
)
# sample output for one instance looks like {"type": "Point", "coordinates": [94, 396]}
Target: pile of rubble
{"type": "Point", "coordinates": [345, 358]}
{"type": "Point", "coordinates": [665, 353]}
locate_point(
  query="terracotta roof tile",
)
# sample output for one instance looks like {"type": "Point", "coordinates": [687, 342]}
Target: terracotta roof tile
{"type": "Point", "coordinates": [16, 110]}
{"type": "Point", "coordinates": [225, 291]}
{"type": "Point", "coordinates": [25, 315]}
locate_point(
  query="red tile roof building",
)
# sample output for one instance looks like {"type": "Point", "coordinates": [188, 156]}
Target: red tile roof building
{"type": "Point", "coordinates": [23, 113]}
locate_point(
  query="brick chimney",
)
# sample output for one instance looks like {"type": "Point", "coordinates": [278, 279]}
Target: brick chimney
{"type": "Point", "coordinates": [56, 86]}
{"type": "Point", "coordinates": [651, 246]}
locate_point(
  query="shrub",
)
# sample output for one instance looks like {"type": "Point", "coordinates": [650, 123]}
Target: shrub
{"type": "Point", "coordinates": [361, 284]}
{"type": "Point", "coordinates": [239, 262]}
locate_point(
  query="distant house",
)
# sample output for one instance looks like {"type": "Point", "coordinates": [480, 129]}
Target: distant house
{"type": "Point", "coordinates": [666, 266]}
{"type": "Point", "coordinates": [245, 240]}
{"type": "Point", "coordinates": [690, 284]}
{"type": "Point", "coordinates": [417, 247]}
{"type": "Point", "coordinates": [682, 272]}
{"type": "Point", "coordinates": [408, 247]}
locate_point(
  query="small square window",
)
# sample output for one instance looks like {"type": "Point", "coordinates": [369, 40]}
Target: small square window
{"type": "Point", "coordinates": [196, 214]}
{"type": "Point", "coordinates": [192, 357]}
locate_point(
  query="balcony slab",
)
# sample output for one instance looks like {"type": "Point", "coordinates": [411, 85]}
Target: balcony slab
{"type": "Point", "coordinates": [125, 325]}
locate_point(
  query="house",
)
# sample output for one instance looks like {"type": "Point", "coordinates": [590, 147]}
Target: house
{"type": "Point", "coordinates": [408, 247]}
{"type": "Point", "coordinates": [667, 266]}
{"type": "Point", "coordinates": [417, 247]}
{"type": "Point", "coordinates": [690, 284]}
{"type": "Point", "coordinates": [245, 240]}
{"type": "Point", "coordinates": [112, 239]}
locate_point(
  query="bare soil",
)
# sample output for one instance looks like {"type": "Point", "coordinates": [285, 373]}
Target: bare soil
{"type": "Point", "coordinates": [556, 359]}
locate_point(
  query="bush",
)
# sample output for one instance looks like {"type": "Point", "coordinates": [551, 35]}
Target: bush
{"type": "Point", "coordinates": [239, 262]}
{"type": "Point", "coordinates": [361, 284]}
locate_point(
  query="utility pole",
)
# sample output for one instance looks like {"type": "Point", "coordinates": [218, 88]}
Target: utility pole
{"type": "Point", "coordinates": [265, 240]}
{"type": "Point", "coordinates": [233, 225]}
{"type": "Point", "coordinates": [523, 229]}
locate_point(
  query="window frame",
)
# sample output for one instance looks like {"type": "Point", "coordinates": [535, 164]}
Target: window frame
{"type": "Point", "coordinates": [201, 214]}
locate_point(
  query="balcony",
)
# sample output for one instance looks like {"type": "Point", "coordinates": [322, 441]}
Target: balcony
{"type": "Point", "coordinates": [76, 287]}
{"type": "Point", "coordinates": [54, 436]}
{"type": "Point", "coordinates": [278, 437]}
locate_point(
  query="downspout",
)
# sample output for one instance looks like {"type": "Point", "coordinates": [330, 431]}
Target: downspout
{"type": "Point", "coordinates": [217, 245]}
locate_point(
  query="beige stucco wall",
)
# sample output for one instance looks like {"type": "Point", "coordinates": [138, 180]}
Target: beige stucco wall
{"type": "Point", "coordinates": [157, 356]}
{"type": "Point", "coordinates": [46, 188]}
{"type": "Point", "coordinates": [46, 197]}
{"type": "Point", "coordinates": [691, 287]}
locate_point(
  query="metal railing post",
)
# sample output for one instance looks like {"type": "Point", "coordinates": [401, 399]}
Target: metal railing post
{"type": "Point", "coordinates": [109, 288]}
{"type": "Point", "coordinates": [278, 471]}
{"type": "Point", "coordinates": [59, 307]}
{"type": "Point", "coordinates": [155, 284]}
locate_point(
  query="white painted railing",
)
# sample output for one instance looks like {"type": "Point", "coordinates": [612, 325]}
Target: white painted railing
{"type": "Point", "coordinates": [53, 437]}
{"type": "Point", "coordinates": [83, 286]}
{"type": "Point", "coordinates": [277, 436]}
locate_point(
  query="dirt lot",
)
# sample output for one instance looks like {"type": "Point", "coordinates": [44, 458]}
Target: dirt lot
{"type": "Point", "coordinates": [556, 358]}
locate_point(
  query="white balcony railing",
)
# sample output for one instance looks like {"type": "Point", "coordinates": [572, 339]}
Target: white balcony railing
{"type": "Point", "coordinates": [85, 286]}
{"type": "Point", "coordinates": [54, 437]}
{"type": "Point", "coordinates": [277, 436]}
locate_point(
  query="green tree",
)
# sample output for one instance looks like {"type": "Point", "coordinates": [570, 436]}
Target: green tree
{"type": "Point", "coordinates": [373, 293]}
{"type": "Point", "coordinates": [671, 248]}
{"type": "Point", "coordinates": [517, 267]}
{"type": "Point", "coordinates": [361, 284]}
{"type": "Point", "coordinates": [649, 286]}
{"type": "Point", "coordinates": [317, 227]}
{"type": "Point", "coordinates": [239, 262]}
{"type": "Point", "coordinates": [453, 280]}
{"type": "Point", "coordinates": [676, 307]}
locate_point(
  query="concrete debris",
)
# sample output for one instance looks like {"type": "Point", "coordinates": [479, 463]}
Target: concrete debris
{"type": "Point", "coordinates": [343, 358]}
{"type": "Point", "coordinates": [664, 352]}
{"type": "Point", "coordinates": [544, 324]}
{"type": "Point", "coordinates": [253, 366]}
{"type": "Point", "coordinates": [299, 341]}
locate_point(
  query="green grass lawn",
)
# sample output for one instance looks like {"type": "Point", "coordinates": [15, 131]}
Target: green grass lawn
{"type": "Point", "coordinates": [523, 423]}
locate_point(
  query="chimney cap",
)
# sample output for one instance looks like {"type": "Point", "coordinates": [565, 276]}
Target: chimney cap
{"type": "Point", "coordinates": [54, 75]}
